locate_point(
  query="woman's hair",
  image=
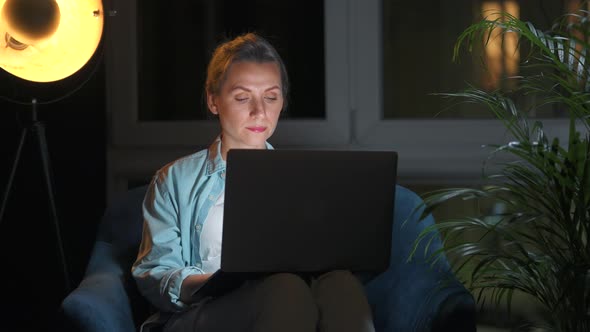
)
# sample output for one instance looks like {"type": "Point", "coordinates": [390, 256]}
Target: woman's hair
{"type": "Point", "coordinates": [247, 47]}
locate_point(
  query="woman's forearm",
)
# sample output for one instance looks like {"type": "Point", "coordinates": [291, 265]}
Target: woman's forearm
{"type": "Point", "coordinates": [190, 284]}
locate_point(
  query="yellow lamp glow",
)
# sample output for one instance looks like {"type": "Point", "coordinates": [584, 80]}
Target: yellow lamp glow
{"type": "Point", "coordinates": [48, 40]}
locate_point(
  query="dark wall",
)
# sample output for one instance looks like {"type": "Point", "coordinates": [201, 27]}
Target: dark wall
{"type": "Point", "coordinates": [76, 140]}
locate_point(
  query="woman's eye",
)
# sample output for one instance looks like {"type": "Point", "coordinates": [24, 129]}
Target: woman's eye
{"type": "Point", "coordinates": [270, 98]}
{"type": "Point", "coordinates": [241, 99]}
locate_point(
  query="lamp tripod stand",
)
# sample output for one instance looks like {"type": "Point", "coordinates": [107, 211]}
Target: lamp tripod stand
{"type": "Point", "coordinates": [37, 128]}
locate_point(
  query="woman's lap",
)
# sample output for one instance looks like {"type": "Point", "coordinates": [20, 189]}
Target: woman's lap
{"type": "Point", "coordinates": [335, 301]}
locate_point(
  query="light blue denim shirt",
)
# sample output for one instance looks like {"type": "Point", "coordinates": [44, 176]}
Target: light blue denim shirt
{"type": "Point", "coordinates": [175, 207]}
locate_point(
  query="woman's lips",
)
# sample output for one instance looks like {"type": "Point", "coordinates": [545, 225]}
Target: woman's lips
{"type": "Point", "coordinates": [256, 129]}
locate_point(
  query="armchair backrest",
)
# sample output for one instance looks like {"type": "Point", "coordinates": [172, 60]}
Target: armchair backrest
{"type": "Point", "coordinates": [121, 227]}
{"type": "Point", "coordinates": [122, 223]}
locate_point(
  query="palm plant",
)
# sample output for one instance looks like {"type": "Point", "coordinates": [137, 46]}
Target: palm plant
{"type": "Point", "coordinates": [541, 239]}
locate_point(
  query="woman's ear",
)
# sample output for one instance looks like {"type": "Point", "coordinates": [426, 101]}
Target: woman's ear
{"type": "Point", "coordinates": [212, 104]}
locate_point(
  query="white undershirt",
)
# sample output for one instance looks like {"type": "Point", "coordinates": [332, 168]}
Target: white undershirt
{"type": "Point", "coordinates": [210, 244]}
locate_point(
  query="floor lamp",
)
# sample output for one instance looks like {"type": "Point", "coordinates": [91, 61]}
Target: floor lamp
{"type": "Point", "coordinates": [46, 41]}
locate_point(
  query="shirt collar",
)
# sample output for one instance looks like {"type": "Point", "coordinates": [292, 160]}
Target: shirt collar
{"type": "Point", "coordinates": [215, 162]}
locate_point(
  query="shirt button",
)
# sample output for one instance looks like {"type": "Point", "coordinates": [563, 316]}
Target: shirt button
{"type": "Point", "coordinates": [198, 227]}
{"type": "Point", "coordinates": [211, 198]}
{"type": "Point", "coordinates": [223, 175]}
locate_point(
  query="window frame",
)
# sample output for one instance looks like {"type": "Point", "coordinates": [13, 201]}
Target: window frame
{"type": "Point", "coordinates": [437, 151]}
{"type": "Point", "coordinates": [122, 92]}
{"type": "Point", "coordinates": [442, 151]}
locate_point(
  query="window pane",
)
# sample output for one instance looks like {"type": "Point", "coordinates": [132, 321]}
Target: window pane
{"type": "Point", "coordinates": [176, 39]}
{"type": "Point", "coordinates": [418, 41]}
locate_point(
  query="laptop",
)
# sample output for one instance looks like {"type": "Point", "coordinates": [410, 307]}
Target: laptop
{"type": "Point", "coordinates": [305, 212]}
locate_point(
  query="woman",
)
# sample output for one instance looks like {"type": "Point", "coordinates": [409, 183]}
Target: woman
{"type": "Point", "coordinates": [247, 88]}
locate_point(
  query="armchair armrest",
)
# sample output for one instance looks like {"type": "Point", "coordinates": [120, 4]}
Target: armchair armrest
{"type": "Point", "coordinates": [420, 304]}
{"type": "Point", "coordinates": [415, 295]}
{"type": "Point", "coordinates": [100, 303]}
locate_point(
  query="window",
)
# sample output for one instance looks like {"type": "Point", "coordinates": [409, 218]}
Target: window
{"type": "Point", "coordinates": [402, 55]}
{"type": "Point", "coordinates": [418, 40]}
{"type": "Point", "coordinates": [382, 61]}
{"type": "Point", "coordinates": [158, 53]}
{"type": "Point", "coordinates": [176, 39]}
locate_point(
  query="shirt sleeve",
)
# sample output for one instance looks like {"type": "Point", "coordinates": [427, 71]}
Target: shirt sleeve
{"type": "Point", "coordinates": [159, 269]}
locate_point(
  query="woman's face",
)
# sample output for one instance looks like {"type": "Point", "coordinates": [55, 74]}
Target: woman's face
{"type": "Point", "coordinates": [248, 104]}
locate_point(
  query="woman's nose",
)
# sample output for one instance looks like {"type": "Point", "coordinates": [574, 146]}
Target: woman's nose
{"type": "Point", "coordinates": [257, 109]}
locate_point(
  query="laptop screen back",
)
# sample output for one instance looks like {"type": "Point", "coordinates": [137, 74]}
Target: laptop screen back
{"type": "Point", "coordinates": [308, 211]}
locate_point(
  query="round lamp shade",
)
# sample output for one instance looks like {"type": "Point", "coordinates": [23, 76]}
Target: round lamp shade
{"type": "Point", "coordinates": [48, 40]}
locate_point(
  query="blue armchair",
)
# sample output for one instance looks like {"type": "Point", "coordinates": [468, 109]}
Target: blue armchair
{"type": "Point", "coordinates": [409, 296]}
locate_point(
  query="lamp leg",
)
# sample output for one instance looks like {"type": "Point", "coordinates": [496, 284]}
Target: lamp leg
{"type": "Point", "coordinates": [39, 129]}
{"type": "Point", "coordinates": [21, 143]}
